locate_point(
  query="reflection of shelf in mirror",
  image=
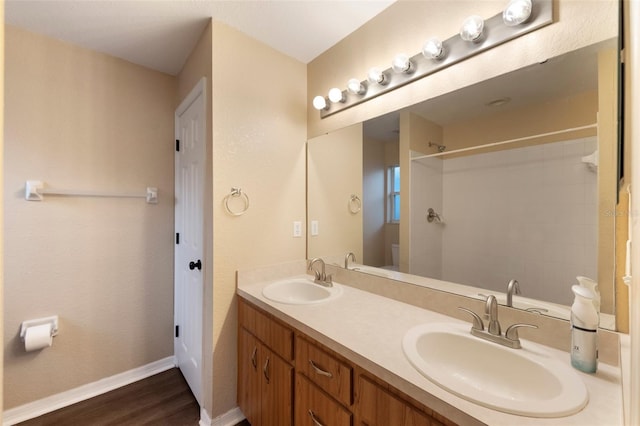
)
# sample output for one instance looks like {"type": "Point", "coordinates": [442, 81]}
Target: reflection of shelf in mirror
{"type": "Point", "coordinates": [591, 161]}
{"type": "Point", "coordinates": [509, 141]}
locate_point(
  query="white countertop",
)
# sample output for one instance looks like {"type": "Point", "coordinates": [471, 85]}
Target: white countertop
{"type": "Point", "coordinates": [368, 329]}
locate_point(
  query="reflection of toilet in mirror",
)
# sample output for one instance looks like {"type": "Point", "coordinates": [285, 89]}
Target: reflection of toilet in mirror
{"type": "Point", "coordinates": [395, 257]}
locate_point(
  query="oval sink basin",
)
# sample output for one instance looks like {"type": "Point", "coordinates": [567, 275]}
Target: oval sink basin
{"type": "Point", "coordinates": [300, 291]}
{"type": "Point", "coordinates": [523, 381]}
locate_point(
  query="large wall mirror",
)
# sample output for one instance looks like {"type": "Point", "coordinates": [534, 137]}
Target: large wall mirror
{"type": "Point", "coordinates": [511, 178]}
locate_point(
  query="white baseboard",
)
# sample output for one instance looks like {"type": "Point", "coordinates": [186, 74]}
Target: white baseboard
{"type": "Point", "coordinates": [54, 402]}
{"type": "Point", "coordinates": [230, 418]}
{"type": "Point", "coordinates": [205, 419]}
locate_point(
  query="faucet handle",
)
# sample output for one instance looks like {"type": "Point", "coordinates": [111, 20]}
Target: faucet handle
{"type": "Point", "coordinates": [512, 331]}
{"type": "Point", "coordinates": [477, 321]}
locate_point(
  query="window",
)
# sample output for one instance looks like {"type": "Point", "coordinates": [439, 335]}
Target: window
{"type": "Point", "coordinates": [393, 183]}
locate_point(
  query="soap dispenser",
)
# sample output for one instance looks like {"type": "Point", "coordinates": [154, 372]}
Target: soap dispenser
{"type": "Point", "coordinates": [593, 286]}
{"type": "Point", "coordinates": [584, 331]}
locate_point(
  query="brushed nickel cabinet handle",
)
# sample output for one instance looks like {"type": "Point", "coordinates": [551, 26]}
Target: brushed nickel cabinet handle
{"type": "Point", "coordinates": [313, 419]}
{"type": "Point", "coordinates": [265, 370]}
{"type": "Point", "coordinates": [320, 370]}
{"type": "Point", "coordinates": [253, 358]}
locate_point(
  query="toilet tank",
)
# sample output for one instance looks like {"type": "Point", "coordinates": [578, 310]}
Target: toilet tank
{"type": "Point", "coordinates": [395, 254]}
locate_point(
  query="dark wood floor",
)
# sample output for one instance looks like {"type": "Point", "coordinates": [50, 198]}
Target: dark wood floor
{"type": "Point", "coordinates": [163, 399]}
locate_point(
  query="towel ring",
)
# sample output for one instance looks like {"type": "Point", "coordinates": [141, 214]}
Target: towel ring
{"type": "Point", "coordinates": [354, 204]}
{"type": "Point", "coordinates": [235, 193]}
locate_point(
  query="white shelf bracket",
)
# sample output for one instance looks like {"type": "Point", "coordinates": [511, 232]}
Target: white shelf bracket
{"type": "Point", "coordinates": [33, 190]}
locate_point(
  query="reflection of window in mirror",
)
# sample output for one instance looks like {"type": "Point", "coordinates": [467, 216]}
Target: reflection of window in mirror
{"type": "Point", "coordinates": [393, 183]}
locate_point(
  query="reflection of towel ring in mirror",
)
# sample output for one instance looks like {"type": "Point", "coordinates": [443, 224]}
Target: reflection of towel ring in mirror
{"type": "Point", "coordinates": [355, 205]}
{"type": "Point", "coordinates": [236, 192]}
{"type": "Point", "coordinates": [433, 216]}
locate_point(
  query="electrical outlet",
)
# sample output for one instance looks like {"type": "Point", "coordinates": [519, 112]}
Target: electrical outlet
{"type": "Point", "coordinates": [297, 229]}
{"type": "Point", "coordinates": [314, 228]}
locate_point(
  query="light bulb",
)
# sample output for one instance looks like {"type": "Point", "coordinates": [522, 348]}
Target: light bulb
{"type": "Point", "coordinates": [516, 12]}
{"type": "Point", "coordinates": [355, 87]}
{"type": "Point", "coordinates": [336, 95]}
{"type": "Point", "coordinates": [319, 103]}
{"type": "Point", "coordinates": [432, 49]}
{"type": "Point", "coordinates": [472, 28]}
{"type": "Point", "coordinates": [375, 75]}
{"type": "Point", "coordinates": [401, 63]}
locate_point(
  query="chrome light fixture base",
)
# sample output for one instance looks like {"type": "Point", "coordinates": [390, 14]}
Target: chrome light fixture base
{"type": "Point", "coordinates": [495, 33]}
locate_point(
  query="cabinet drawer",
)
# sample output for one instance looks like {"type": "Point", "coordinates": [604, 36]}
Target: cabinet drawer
{"type": "Point", "coordinates": [377, 407]}
{"type": "Point", "coordinates": [272, 333]}
{"type": "Point", "coordinates": [323, 369]}
{"type": "Point", "coordinates": [314, 408]}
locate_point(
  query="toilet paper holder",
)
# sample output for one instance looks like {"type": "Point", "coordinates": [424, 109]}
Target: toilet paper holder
{"type": "Point", "coordinates": [53, 320]}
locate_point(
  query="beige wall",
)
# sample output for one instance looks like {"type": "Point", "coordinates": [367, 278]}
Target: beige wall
{"type": "Point", "coordinates": [608, 182]}
{"type": "Point", "coordinates": [374, 200]}
{"type": "Point", "coordinates": [391, 230]}
{"type": "Point", "coordinates": [198, 65]}
{"type": "Point", "coordinates": [415, 134]}
{"type": "Point", "coordinates": [535, 119]}
{"type": "Point", "coordinates": [334, 173]}
{"type": "Point", "coordinates": [81, 120]}
{"type": "Point", "coordinates": [259, 135]}
{"type": "Point", "coordinates": [632, 139]}
{"type": "Point", "coordinates": [259, 145]}
{"type": "Point", "coordinates": [1, 197]}
{"type": "Point", "coordinates": [405, 25]}
{"type": "Point", "coordinates": [256, 141]}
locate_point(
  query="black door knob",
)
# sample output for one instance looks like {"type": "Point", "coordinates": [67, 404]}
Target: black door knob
{"type": "Point", "coordinates": [196, 264]}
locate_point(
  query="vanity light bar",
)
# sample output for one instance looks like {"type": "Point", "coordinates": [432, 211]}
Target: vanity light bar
{"type": "Point", "coordinates": [456, 49]}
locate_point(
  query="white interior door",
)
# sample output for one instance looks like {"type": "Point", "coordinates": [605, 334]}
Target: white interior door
{"type": "Point", "coordinates": [189, 267]}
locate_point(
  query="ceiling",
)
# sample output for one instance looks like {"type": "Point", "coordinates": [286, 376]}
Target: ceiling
{"type": "Point", "coordinates": [160, 34]}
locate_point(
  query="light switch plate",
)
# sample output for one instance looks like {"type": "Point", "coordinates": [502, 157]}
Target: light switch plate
{"type": "Point", "coordinates": [314, 228]}
{"type": "Point", "coordinates": [297, 229]}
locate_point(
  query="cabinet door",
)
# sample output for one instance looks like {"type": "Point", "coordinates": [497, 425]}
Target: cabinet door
{"type": "Point", "coordinates": [377, 407]}
{"type": "Point", "coordinates": [276, 390]}
{"type": "Point", "coordinates": [315, 408]}
{"type": "Point", "coordinates": [249, 377]}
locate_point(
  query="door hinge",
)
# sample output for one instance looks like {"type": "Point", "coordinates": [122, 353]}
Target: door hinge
{"type": "Point", "coordinates": [177, 331]}
{"type": "Point", "coordinates": [177, 238]}
{"type": "Point", "coordinates": [178, 145]}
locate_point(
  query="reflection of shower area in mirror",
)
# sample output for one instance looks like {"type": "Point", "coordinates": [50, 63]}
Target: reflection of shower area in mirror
{"type": "Point", "coordinates": [525, 213]}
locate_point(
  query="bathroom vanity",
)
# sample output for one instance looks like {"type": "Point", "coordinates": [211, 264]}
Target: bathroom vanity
{"type": "Point", "coordinates": [341, 362]}
{"type": "Point", "coordinates": [274, 359]}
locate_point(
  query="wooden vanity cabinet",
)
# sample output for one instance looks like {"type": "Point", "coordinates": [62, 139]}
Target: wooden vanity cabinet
{"type": "Point", "coordinates": [249, 380]}
{"type": "Point", "coordinates": [329, 390]}
{"type": "Point", "coordinates": [265, 373]}
{"type": "Point", "coordinates": [377, 405]}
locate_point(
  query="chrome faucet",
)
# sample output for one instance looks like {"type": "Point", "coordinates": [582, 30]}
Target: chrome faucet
{"type": "Point", "coordinates": [351, 256]}
{"type": "Point", "coordinates": [512, 287]}
{"type": "Point", "coordinates": [493, 333]}
{"type": "Point", "coordinates": [320, 276]}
